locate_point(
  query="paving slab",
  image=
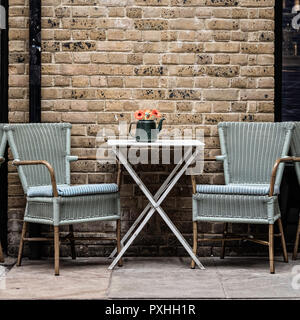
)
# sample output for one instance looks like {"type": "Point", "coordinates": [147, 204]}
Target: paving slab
{"type": "Point", "coordinates": [249, 278]}
{"type": "Point", "coordinates": [165, 278]}
{"type": "Point", "coordinates": [79, 279]}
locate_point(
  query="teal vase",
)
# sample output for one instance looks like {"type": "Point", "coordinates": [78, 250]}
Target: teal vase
{"type": "Point", "coordinates": [146, 130]}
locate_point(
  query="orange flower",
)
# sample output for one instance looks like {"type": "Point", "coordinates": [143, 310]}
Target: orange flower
{"type": "Point", "coordinates": [155, 113]}
{"type": "Point", "coordinates": [139, 115]}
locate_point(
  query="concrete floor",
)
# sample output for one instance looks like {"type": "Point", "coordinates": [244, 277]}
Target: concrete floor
{"type": "Point", "coordinates": [89, 278]}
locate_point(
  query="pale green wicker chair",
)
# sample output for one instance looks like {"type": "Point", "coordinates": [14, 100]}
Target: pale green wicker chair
{"type": "Point", "coordinates": [249, 152]}
{"type": "Point", "coordinates": [42, 154]}
{"type": "Point", "coordinates": [295, 148]}
{"type": "Point", "coordinates": [2, 151]}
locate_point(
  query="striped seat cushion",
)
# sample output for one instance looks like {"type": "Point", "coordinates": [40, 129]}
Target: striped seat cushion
{"type": "Point", "coordinates": [71, 191]}
{"type": "Point", "coordinates": [249, 189]}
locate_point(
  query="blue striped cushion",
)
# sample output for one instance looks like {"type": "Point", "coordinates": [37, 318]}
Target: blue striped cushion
{"type": "Point", "coordinates": [249, 189]}
{"type": "Point", "coordinates": [70, 191]}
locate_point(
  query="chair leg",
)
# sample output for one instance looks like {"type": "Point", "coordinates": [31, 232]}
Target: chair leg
{"type": "Point", "coordinates": [120, 262]}
{"type": "Point", "coordinates": [195, 242]}
{"type": "Point", "coordinates": [21, 246]}
{"type": "Point", "coordinates": [283, 244]}
{"type": "Point", "coordinates": [56, 250]}
{"type": "Point", "coordinates": [1, 254]}
{"type": "Point", "coordinates": [296, 242]}
{"type": "Point", "coordinates": [271, 248]}
{"type": "Point", "coordinates": [73, 250]}
{"type": "Point", "coordinates": [223, 241]}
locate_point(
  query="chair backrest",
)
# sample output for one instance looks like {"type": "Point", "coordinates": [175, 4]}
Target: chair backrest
{"type": "Point", "coordinates": [3, 140]}
{"type": "Point", "coordinates": [295, 147]}
{"type": "Point", "coordinates": [251, 149]}
{"type": "Point", "coordinates": [41, 141]}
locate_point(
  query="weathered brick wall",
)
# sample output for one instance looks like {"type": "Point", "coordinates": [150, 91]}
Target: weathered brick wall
{"type": "Point", "coordinates": [197, 61]}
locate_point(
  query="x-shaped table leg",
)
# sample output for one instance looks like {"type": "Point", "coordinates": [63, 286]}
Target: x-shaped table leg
{"type": "Point", "coordinates": [156, 202]}
{"type": "Point", "coordinates": [147, 208]}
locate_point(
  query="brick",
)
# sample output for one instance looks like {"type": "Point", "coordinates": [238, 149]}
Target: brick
{"type": "Point", "coordinates": [221, 59]}
{"type": "Point", "coordinates": [222, 24]}
{"type": "Point", "coordinates": [222, 47]}
{"type": "Point", "coordinates": [217, 95]}
{"type": "Point", "coordinates": [257, 95]}
{"type": "Point", "coordinates": [63, 57]}
{"type": "Point", "coordinates": [78, 117]}
{"type": "Point", "coordinates": [149, 71]}
{"type": "Point", "coordinates": [151, 24]}
{"type": "Point", "coordinates": [63, 12]}
{"type": "Point", "coordinates": [230, 71]}
{"type": "Point", "coordinates": [97, 35]}
{"type": "Point", "coordinates": [257, 71]}
{"type": "Point", "coordinates": [183, 94]}
{"type": "Point", "coordinates": [221, 3]}
{"type": "Point", "coordinates": [134, 13]}
{"type": "Point", "coordinates": [79, 46]}
{"type": "Point", "coordinates": [256, 25]}
{"type": "Point", "coordinates": [149, 94]}
{"type": "Point", "coordinates": [204, 59]}
{"type": "Point", "coordinates": [186, 24]}
{"type": "Point", "coordinates": [61, 35]}
{"type": "Point", "coordinates": [80, 81]}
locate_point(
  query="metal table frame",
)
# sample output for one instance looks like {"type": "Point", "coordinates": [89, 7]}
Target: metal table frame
{"type": "Point", "coordinates": [156, 200]}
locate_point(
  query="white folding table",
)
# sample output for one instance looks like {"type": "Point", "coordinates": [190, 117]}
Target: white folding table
{"type": "Point", "coordinates": [156, 200]}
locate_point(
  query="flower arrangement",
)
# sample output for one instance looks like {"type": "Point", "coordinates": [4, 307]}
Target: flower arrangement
{"type": "Point", "coordinates": [147, 114]}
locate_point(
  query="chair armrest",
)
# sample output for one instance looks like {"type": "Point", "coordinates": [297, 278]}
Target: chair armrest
{"type": "Point", "coordinates": [220, 158]}
{"type": "Point", "coordinates": [72, 158]}
{"type": "Point", "coordinates": [275, 168]}
{"type": "Point", "coordinates": [44, 163]}
{"type": "Point", "coordinates": [216, 158]}
{"type": "Point", "coordinates": [2, 160]}
{"type": "Point", "coordinates": [87, 158]}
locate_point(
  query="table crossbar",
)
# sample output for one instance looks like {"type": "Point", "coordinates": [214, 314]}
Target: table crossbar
{"type": "Point", "coordinates": [155, 202]}
{"type": "Point", "coordinates": [161, 189]}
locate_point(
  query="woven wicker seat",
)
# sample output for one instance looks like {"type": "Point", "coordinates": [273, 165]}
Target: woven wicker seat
{"type": "Point", "coordinates": [72, 191]}
{"type": "Point", "coordinates": [249, 153]}
{"type": "Point", "coordinates": [259, 189]}
{"type": "Point", "coordinates": [3, 143]}
{"type": "Point", "coordinates": [42, 154]}
{"type": "Point", "coordinates": [295, 148]}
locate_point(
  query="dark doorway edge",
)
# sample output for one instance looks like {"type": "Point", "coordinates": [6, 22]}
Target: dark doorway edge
{"type": "Point", "coordinates": [4, 119]}
{"type": "Point", "coordinates": [35, 92]}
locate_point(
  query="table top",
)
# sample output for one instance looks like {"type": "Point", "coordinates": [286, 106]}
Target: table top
{"type": "Point", "coordinates": [157, 143]}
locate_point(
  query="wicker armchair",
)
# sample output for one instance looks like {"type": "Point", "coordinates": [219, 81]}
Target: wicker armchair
{"type": "Point", "coordinates": [295, 148]}
{"type": "Point", "coordinates": [2, 151]}
{"type": "Point", "coordinates": [42, 154]}
{"type": "Point", "coordinates": [249, 152]}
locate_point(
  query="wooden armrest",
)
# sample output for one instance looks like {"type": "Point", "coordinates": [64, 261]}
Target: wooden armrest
{"type": "Point", "coordinates": [44, 163]}
{"type": "Point", "coordinates": [275, 168]}
{"type": "Point", "coordinates": [87, 158]}
{"type": "Point", "coordinates": [216, 158]}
